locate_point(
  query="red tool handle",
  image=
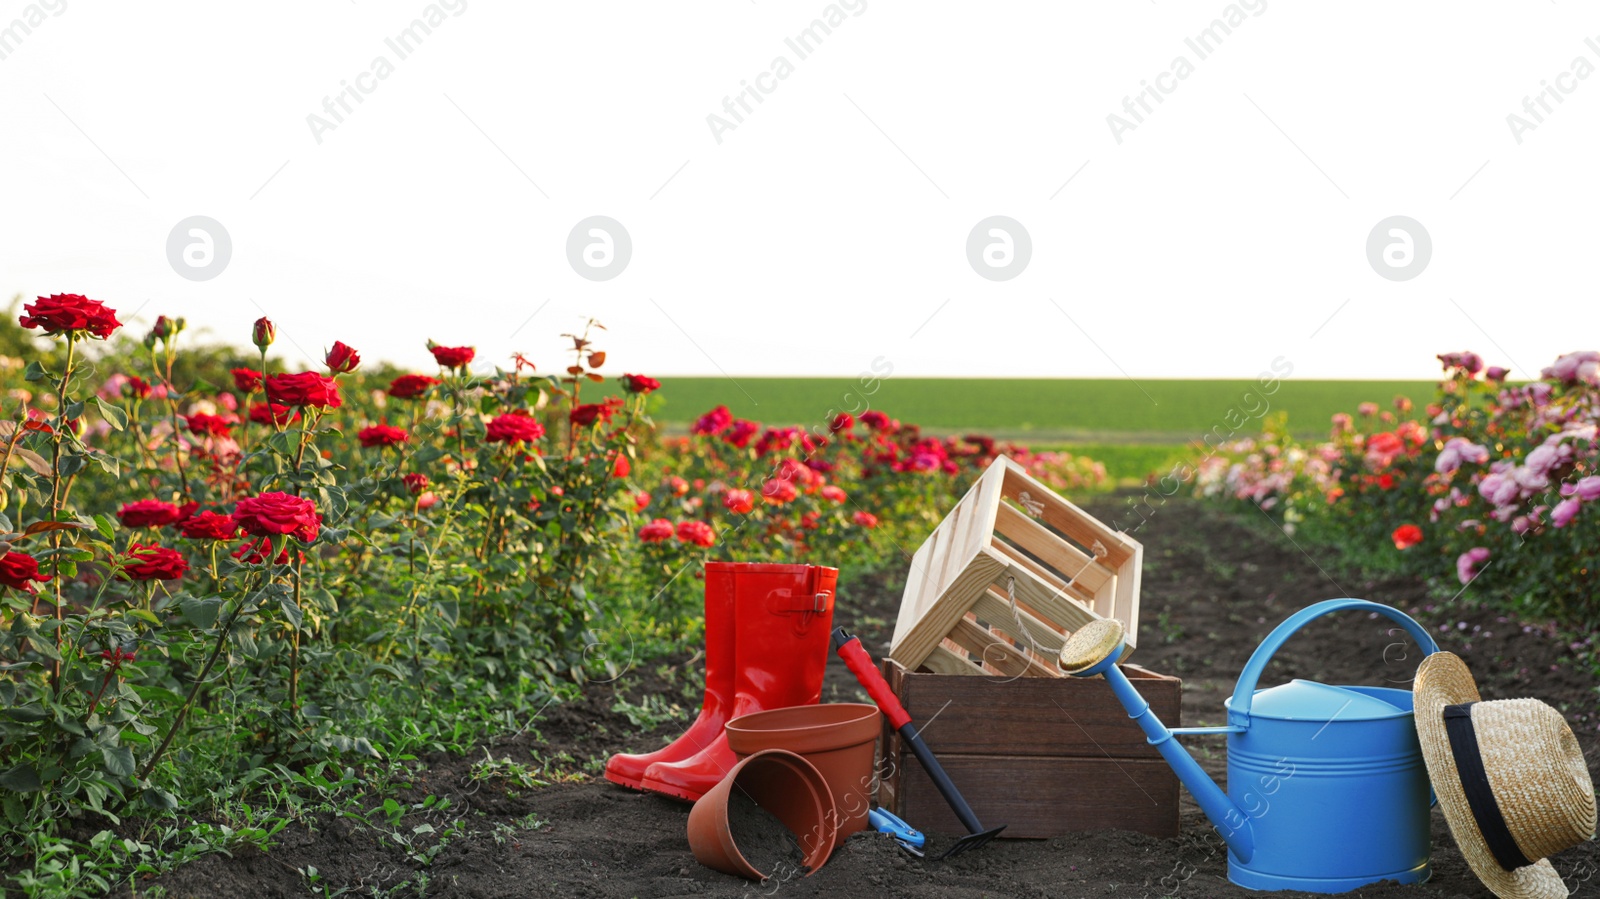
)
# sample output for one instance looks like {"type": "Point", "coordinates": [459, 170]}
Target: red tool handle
{"type": "Point", "coordinates": [849, 648]}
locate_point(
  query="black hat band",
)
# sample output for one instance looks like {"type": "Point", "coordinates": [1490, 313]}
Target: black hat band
{"type": "Point", "coordinates": [1475, 784]}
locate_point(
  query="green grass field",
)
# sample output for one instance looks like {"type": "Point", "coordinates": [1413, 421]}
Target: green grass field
{"type": "Point", "coordinates": [1133, 428]}
{"type": "Point", "coordinates": [1037, 411]}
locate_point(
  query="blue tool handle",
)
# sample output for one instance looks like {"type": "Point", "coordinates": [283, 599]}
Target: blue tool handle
{"type": "Point", "coordinates": [1244, 693]}
{"type": "Point", "coordinates": [893, 825]}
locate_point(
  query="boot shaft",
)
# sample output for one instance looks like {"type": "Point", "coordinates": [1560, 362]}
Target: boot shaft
{"type": "Point", "coordinates": [783, 619]}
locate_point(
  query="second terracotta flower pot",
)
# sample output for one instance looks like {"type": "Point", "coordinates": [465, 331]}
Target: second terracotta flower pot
{"type": "Point", "coordinates": [784, 784]}
{"type": "Point", "coordinates": [838, 738]}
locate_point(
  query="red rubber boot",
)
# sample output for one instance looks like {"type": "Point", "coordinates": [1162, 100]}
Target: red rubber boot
{"type": "Point", "coordinates": [716, 707]}
{"type": "Point", "coordinates": [783, 618]}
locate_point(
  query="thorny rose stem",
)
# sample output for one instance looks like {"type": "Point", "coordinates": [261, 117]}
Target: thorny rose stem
{"type": "Point", "coordinates": [55, 504]}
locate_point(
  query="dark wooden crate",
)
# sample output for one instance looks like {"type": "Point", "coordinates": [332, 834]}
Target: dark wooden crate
{"type": "Point", "coordinates": [1042, 755]}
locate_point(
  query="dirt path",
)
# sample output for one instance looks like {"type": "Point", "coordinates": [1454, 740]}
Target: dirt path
{"type": "Point", "coordinates": [1213, 587]}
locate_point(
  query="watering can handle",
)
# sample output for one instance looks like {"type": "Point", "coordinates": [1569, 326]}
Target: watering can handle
{"type": "Point", "coordinates": [1244, 693]}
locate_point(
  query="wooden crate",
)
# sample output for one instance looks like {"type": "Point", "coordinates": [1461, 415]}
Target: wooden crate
{"type": "Point", "coordinates": [1042, 756]}
{"type": "Point", "coordinates": [1008, 575]}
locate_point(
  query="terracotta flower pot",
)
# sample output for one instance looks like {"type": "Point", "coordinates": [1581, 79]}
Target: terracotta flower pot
{"type": "Point", "coordinates": [784, 784]}
{"type": "Point", "coordinates": [838, 738]}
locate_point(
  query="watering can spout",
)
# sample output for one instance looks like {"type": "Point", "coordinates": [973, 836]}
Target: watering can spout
{"type": "Point", "coordinates": [1095, 649]}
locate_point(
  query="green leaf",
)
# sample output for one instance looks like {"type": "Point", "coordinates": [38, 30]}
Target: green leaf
{"type": "Point", "coordinates": [35, 372]}
{"type": "Point", "coordinates": [113, 415]}
{"type": "Point", "coordinates": [160, 799]}
{"type": "Point", "coordinates": [291, 612]}
{"type": "Point", "coordinates": [22, 779]}
{"type": "Point", "coordinates": [28, 714]}
{"type": "Point", "coordinates": [201, 613]}
{"type": "Point", "coordinates": [144, 615]}
{"type": "Point", "coordinates": [106, 528]}
{"type": "Point", "coordinates": [119, 760]}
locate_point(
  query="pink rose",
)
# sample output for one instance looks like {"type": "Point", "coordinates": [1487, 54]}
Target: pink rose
{"type": "Point", "coordinates": [1575, 367]}
{"type": "Point", "coordinates": [1468, 565]}
{"type": "Point", "coordinates": [1565, 511]}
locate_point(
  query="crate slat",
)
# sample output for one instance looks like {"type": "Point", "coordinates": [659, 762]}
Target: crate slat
{"type": "Point", "coordinates": [1009, 530]}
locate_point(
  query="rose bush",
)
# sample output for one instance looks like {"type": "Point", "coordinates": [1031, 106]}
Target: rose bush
{"type": "Point", "coordinates": [1495, 487]}
{"type": "Point", "coordinates": [220, 584]}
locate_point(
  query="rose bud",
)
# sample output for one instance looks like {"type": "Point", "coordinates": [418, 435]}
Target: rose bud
{"type": "Point", "coordinates": [263, 333]}
{"type": "Point", "coordinates": [342, 359]}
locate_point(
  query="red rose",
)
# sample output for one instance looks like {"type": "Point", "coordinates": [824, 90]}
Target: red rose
{"type": "Point", "coordinates": [714, 422]}
{"type": "Point", "coordinates": [875, 420]}
{"type": "Point", "coordinates": [408, 387]}
{"type": "Point", "coordinates": [276, 513]}
{"type": "Point", "coordinates": [1406, 536]}
{"type": "Point", "coordinates": [382, 435]}
{"type": "Point", "coordinates": [342, 359]}
{"type": "Point", "coordinates": [148, 513]}
{"type": "Point", "coordinates": [1386, 443]}
{"type": "Point", "coordinates": [246, 380]}
{"type": "Point", "coordinates": [620, 467]}
{"type": "Point", "coordinates": [514, 427]}
{"type": "Point", "coordinates": [834, 494]}
{"type": "Point", "coordinates": [739, 502]}
{"type": "Point", "coordinates": [739, 435]}
{"type": "Point", "coordinates": [273, 414]}
{"type": "Point", "coordinates": [779, 491]}
{"type": "Point", "coordinates": [208, 425]}
{"type": "Point", "coordinates": [641, 500]}
{"type": "Point", "coordinates": [453, 356]}
{"type": "Point", "coordinates": [589, 413]}
{"type": "Point", "coordinates": [844, 421]}
{"type": "Point", "coordinates": [209, 526]}
{"type": "Point", "coordinates": [306, 388]}
{"type": "Point", "coordinates": [136, 387]}
{"type": "Point", "coordinates": [70, 313]}
{"type": "Point", "coordinates": [696, 532]}
{"type": "Point", "coordinates": [639, 384]}
{"type": "Point", "coordinates": [865, 519]}
{"type": "Point", "coordinates": [658, 531]}
{"type": "Point", "coordinates": [150, 563]}
{"type": "Point", "coordinates": [20, 571]}
{"type": "Point", "coordinates": [415, 482]}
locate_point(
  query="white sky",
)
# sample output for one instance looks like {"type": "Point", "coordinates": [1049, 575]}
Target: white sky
{"type": "Point", "coordinates": [831, 225]}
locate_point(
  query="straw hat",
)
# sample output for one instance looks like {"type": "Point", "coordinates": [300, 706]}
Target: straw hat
{"type": "Point", "coordinates": [1509, 776]}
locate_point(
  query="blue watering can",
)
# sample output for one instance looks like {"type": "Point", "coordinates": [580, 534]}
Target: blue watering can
{"type": "Point", "coordinates": [1327, 790]}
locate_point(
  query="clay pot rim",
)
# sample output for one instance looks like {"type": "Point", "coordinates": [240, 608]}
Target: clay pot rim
{"type": "Point", "coordinates": [710, 827]}
{"type": "Point", "coordinates": [826, 736]}
{"type": "Point", "coordinates": [864, 711]}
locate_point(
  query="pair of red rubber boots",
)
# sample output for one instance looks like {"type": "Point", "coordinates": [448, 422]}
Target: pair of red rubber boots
{"type": "Point", "coordinates": [767, 633]}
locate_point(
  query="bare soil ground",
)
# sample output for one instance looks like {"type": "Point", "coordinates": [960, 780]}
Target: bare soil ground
{"type": "Point", "coordinates": [1213, 587]}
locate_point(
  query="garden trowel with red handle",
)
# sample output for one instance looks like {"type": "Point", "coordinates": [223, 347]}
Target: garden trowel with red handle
{"type": "Point", "coordinates": [860, 664]}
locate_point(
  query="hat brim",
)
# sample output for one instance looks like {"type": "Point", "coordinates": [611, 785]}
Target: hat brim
{"type": "Point", "coordinates": [1443, 680]}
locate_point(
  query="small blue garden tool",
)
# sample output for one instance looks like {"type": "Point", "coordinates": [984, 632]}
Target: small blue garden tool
{"type": "Point", "coordinates": [909, 838]}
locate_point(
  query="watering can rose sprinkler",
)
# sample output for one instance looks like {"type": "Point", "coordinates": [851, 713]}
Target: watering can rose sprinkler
{"type": "Point", "coordinates": [1327, 788]}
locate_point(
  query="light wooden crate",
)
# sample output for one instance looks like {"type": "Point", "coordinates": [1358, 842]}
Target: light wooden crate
{"type": "Point", "coordinates": [1008, 575]}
